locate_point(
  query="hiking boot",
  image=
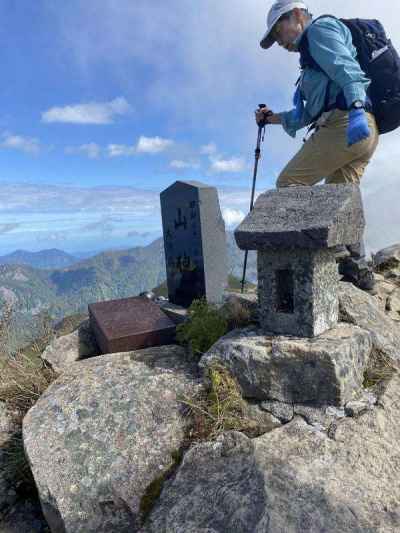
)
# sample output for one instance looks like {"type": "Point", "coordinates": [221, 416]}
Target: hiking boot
{"type": "Point", "coordinates": [364, 280]}
{"type": "Point", "coordinates": [358, 272]}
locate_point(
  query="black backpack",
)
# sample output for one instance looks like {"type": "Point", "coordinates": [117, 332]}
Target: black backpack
{"type": "Point", "coordinates": [381, 63]}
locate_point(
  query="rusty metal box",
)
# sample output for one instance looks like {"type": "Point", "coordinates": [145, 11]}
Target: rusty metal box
{"type": "Point", "coordinates": [130, 324]}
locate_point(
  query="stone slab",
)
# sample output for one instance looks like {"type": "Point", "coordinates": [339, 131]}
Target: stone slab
{"type": "Point", "coordinates": [303, 217]}
{"type": "Point", "coordinates": [194, 243]}
{"type": "Point", "coordinates": [327, 370]}
{"type": "Point", "coordinates": [130, 324]}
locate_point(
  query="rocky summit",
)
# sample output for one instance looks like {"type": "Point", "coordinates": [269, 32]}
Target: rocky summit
{"type": "Point", "coordinates": [117, 444]}
{"type": "Point", "coordinates": [295, 478]}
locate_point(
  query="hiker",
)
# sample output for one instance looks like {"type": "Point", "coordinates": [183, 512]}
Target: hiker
{"type": "Point", "coordinates": [331, 95]}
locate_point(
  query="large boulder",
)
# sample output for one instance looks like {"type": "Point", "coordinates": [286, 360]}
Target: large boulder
{"type": "Point", "coordinates": [67, 349]}
{"type": "Point", "coordinates": [104, 435]}
{"type": "Point", "coordinates": [361, 309]}
{"type": "Point", "coordinates": [328, 369]}
{"type": "Point", "coordinates": [293, 479]}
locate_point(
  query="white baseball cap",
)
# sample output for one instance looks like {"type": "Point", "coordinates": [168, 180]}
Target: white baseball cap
{"type": "Point", "coordinates": [279, 8]}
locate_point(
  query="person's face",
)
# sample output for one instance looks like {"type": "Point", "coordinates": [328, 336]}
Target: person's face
{"type": "Point", "coordinates": [286, 30]}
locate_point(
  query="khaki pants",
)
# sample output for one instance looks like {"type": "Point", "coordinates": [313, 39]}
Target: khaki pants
{"type": "Point", "coordinates": [326, 154]}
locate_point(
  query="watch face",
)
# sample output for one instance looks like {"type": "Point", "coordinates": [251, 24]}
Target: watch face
{"type": "Point", "coordinates": [358, 105]}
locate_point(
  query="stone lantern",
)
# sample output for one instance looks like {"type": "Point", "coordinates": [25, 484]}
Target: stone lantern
{"type": "Point", "coordinates": [295, 231]}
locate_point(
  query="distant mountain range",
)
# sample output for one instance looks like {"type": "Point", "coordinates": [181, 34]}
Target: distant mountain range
{"type": "Point", "coordinates": [35, 292]}
{"type": "Point", "coordinates": [44, 259]}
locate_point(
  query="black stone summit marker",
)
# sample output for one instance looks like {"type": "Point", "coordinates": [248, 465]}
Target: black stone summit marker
{"type": "Point", "coordinates": [194, 243]}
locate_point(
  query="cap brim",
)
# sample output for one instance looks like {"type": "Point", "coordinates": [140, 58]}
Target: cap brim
{"type": "Point", "coordinates": [267, 41]}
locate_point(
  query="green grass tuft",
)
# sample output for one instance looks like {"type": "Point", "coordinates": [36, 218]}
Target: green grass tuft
{"type": "Point", "coordinates": [23, 379]}
{"type": "Point", "coordinates": [205, 325]}
{"type": "Point", "coordinates": [380, 369]}
{"type": "Point", "coordinates": [218, 409]}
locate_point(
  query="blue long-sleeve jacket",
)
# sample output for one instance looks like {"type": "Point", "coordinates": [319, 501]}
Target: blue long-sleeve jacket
{"type": "Point", "coordinates": [331, 46]}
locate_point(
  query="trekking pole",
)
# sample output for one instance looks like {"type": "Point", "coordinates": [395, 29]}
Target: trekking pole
{"type": "Point", "coordinates": [260, 138]}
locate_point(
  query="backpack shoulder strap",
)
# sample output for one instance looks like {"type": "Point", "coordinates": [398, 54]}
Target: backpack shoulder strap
{"type": "Point", "coordinates": [306, 59]}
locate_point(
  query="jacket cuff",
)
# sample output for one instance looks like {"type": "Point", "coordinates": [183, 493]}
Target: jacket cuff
{"type": "Point", "coordinates": [353, 92]}
{"type": "Point", "coordinates": [287, 124]}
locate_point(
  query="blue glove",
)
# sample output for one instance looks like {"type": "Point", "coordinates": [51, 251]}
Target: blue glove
{"type": "Point", "coordinates": [358, 128]}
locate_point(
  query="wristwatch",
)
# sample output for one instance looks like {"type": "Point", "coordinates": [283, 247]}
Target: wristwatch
{"type": "Point", "coordinates": [358, 104]}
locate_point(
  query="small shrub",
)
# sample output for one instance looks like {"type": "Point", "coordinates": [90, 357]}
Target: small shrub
{"type": "Point", "coordinates": [218, 409]}
{"type": "Point", "coordinates": [10, 343]}
{"type": "Point", "coordinates": [23, 380]}
{"type": "Point", "coordinates": [205, 325]}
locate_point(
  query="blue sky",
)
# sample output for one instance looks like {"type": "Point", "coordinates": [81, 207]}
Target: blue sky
{"type": "Point", "coordinates": [105, 103]}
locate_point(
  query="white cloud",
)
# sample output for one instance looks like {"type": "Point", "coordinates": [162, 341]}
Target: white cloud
{"type": "Point", "coordinates": [180, 165]}
{"type": "Point", "coordinates": [77, 216]}
{"type": "Point", "coordinates": [120, 150]}
{"type": "Point", "coordinates": [20, 199]}
{"type": "Point", "coordinates": [145, 145]}
{"type": "Point", "coordinates": [214, 91]}
{"type": "Point", "coordinates": [381, 194]}
{"type": "Point", "coordinates": [152, 145]}
{"type": "Point", "coordinates": [215, 95]}
{"type": "Point", "coordinates": [90, 113]}
{"type": "Point", "coordinates": [236, 164]}
{"type": "Point", "coordinates": [6, 228]}
{"type": "Point", "coordinates": [208, 149]}
{"type": "Point", "coordinates": [232, 217]}
{"type": "Point", "coordinates": [51, 236]}
{"type": "Point", "coordinates": [91, 150]}
{"type": "Point", "coordinates": [23, 144]}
